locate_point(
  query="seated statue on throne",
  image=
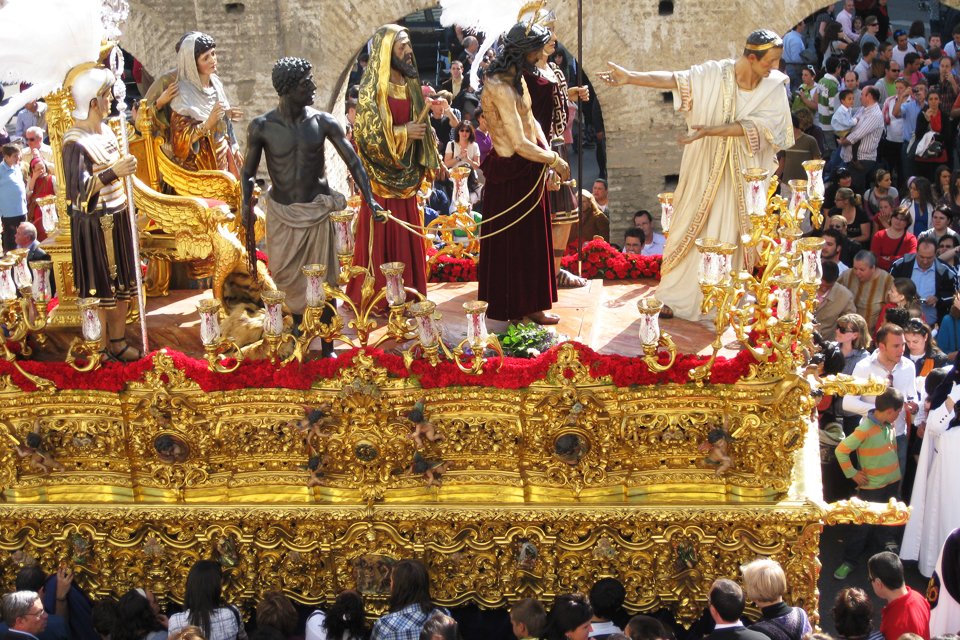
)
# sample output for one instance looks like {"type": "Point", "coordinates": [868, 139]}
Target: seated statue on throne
{"type": "Point", "coordinates": [201, 130]}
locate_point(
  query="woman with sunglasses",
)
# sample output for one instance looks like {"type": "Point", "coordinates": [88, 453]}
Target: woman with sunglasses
{"type": "Point", "coordinates": [463, 151]}
{"type": "Point", "coordinates": [921, 348]}
{"type": "Point", "coordinates": [947, 251]}
{"type": "Point", "coordinates": [854, 340]}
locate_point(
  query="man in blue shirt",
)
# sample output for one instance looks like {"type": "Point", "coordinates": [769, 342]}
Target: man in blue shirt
{"type": "Point", "coordinates": [13, 195]}
{"type": "Point", "coordinates": [793, 48]}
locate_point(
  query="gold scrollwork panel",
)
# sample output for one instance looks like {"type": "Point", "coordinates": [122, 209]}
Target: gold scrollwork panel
{"type": "Point", "coordinates": [666, 556]}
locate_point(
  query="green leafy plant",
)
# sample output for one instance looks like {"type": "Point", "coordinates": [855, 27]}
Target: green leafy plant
{"type": "Point", "coordinates": [526, 340]}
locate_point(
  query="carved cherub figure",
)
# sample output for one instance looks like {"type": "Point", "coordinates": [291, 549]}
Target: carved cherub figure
{"type": "Point", "coordinates": [431, 470]}
{"type": "Point", "coordinates": [311, 425]}
{"type": "Point", "coordinates": [38, 459]}
{"type": "Point", "coordinates": [422, 428]}
{"type": "Point", "coordinates": [315, 465]}
{"type": "Point", "coordinates": [716, 448]}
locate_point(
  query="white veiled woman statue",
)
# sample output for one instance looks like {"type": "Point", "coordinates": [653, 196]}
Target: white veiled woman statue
{"type": "Point", "coordinates": [200, 121]}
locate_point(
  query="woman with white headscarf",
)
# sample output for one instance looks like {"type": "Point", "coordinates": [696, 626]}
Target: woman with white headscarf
{"type": "Point", "coordinates": [200, 129]}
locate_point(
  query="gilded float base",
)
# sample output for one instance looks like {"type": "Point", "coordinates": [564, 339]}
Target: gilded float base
{"type": "Point", "coordinates": [666, 556]}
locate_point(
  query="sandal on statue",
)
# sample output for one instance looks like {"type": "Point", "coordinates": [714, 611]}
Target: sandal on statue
{"type": "Point", "coordinates": [126, 354]}
{"type": "Point", "coordinates": [567, 280]}
{"type": "Point", "coordinates": [666, 312]}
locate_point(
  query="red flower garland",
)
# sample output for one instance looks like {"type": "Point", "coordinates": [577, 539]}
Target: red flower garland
{"type": "Point", "coordinates": [600, 260]}
{"type": "Point", "coordinates": [449, 269]}
{"type": "Point", "coordinates": [516, 373]}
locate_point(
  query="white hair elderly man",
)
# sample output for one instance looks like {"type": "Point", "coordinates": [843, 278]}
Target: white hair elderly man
{"type": "Point", "coordinates": [35, 146]}
{"type": "Point", "coordinates": [24, 614]}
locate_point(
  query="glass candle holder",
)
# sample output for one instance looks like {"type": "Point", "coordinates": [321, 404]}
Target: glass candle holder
{"type": "Point", "coordinates": [41, 279]}
{"type": "Point", "coordinates": [428, 332]}
{"type": "Point", "coordinates": [22, 277]}
{"type": "Point", "coordinates": [461, 192]}
{"type": "Point", "coordinates": [756, 192]}
{"type": "Point", "coordinates": [716, 260]}
{"type": "Point", "coordinates": [649, 309]}
{"type": "Point", "coordinates": [711, 262]}
{"type": "Point", "coordinates": [209, 311]}
{"type": "Point", "coordinates": [273, 318]}
{"type": "Point", "coordinates": [798, 198]}
{"type": "Point", "coordinates": [343, 231]}
{"type": "Point", "coordinates": [48, 213]}
{"type": "Point", "coordinates": [666, 210]}
{"type": "Point", "coordinates": [8, 288]}
{"type": "Point", "coordinates": [788, 298]}
{"type": "Point", "coordinates": [90, 319]}
{"type": "Point", "coordinates": [315, 274]}
{"type": "Point", "coordinates": [815, 188]}
{"type": "Point", "coordinates": [393, 272]}
{"type": "Point", "coordinates": [811, 269]}
{"type": "Point", "coordinates": [789, 238]}
{"type": "Point", "coordinates": [476, 322]}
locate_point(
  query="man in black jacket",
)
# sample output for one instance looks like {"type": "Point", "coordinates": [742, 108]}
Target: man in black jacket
{"type": "Point", "coordinates": [935, 280]}
{"type": "Point", "coordinates": [726, 607]}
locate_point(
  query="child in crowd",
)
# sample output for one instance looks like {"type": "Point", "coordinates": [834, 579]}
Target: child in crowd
{"type": "Point", "coordinates": [878, 478]}
{"type": "Point", "coordinates": [528, 618]}
{"type": "Point", "coordinates": [842, 122]}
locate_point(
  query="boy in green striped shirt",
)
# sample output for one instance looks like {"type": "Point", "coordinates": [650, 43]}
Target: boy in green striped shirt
{"type": "Point", "coordinates": [878, 478]}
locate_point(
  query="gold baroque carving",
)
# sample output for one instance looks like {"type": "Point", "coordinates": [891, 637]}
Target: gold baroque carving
{"type": "Point", "coordinates": [668, 555]}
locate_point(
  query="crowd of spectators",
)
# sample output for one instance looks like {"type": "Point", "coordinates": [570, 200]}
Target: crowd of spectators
{"type": "Point", "coordinates": [44, 607]}
{"type": "Point", "coordinates": [881, 108]}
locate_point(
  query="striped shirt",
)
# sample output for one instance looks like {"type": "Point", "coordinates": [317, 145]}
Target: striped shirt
{"type": "Point", "coordinates": [876, 447]}
{"type": "Point", "coordinates": [867, 132]}
{"type": "Point", "coordinates": [827, 101]}
{"type": "Point", "coordinates": [868, 296]}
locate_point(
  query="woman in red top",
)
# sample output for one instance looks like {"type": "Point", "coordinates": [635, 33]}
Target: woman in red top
{"type": "Point", "coordinates": [889, 245]}
{"type": "Point", "coordinates": [933, 119]}
{"type": "Point", "coordinates": [41, 184]}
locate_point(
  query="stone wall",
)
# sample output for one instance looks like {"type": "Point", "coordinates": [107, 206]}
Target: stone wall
{"type": "Point", "coordinates": [641, 126]}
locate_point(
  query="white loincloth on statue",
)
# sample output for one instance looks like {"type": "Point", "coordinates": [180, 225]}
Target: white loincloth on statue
{"type": "Point", "coordinates": [300, 234]}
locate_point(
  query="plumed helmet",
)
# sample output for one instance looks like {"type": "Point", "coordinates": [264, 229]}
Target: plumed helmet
{"type": "Point", "coordinates": [85, 81]}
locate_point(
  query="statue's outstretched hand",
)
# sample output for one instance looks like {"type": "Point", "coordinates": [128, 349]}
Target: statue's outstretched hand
{"type": "Point", "coordinates": [378, 212]}
{"type": "Point", "coordinates": [615, 75]}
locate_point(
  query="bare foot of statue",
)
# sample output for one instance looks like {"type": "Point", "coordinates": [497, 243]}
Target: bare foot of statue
{"type": "Point", "coordinates": [666, 312]}
{"type": "Point", "coordinates": [543, 317]}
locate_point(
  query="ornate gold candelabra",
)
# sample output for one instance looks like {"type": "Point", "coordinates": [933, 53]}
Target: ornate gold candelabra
{"type": "Point", "coordinates": [216, 347]}
{"type": "Point", "coordinates": [651, 338]}
{"type": "Point", "coordinates": [770, 310]}
{"type": "Point", "coordinates": [88, 348]}
{"type": "Point", "coordinates": [461, 220]}
{"type": "Point", "coordinates": [468, 353]}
